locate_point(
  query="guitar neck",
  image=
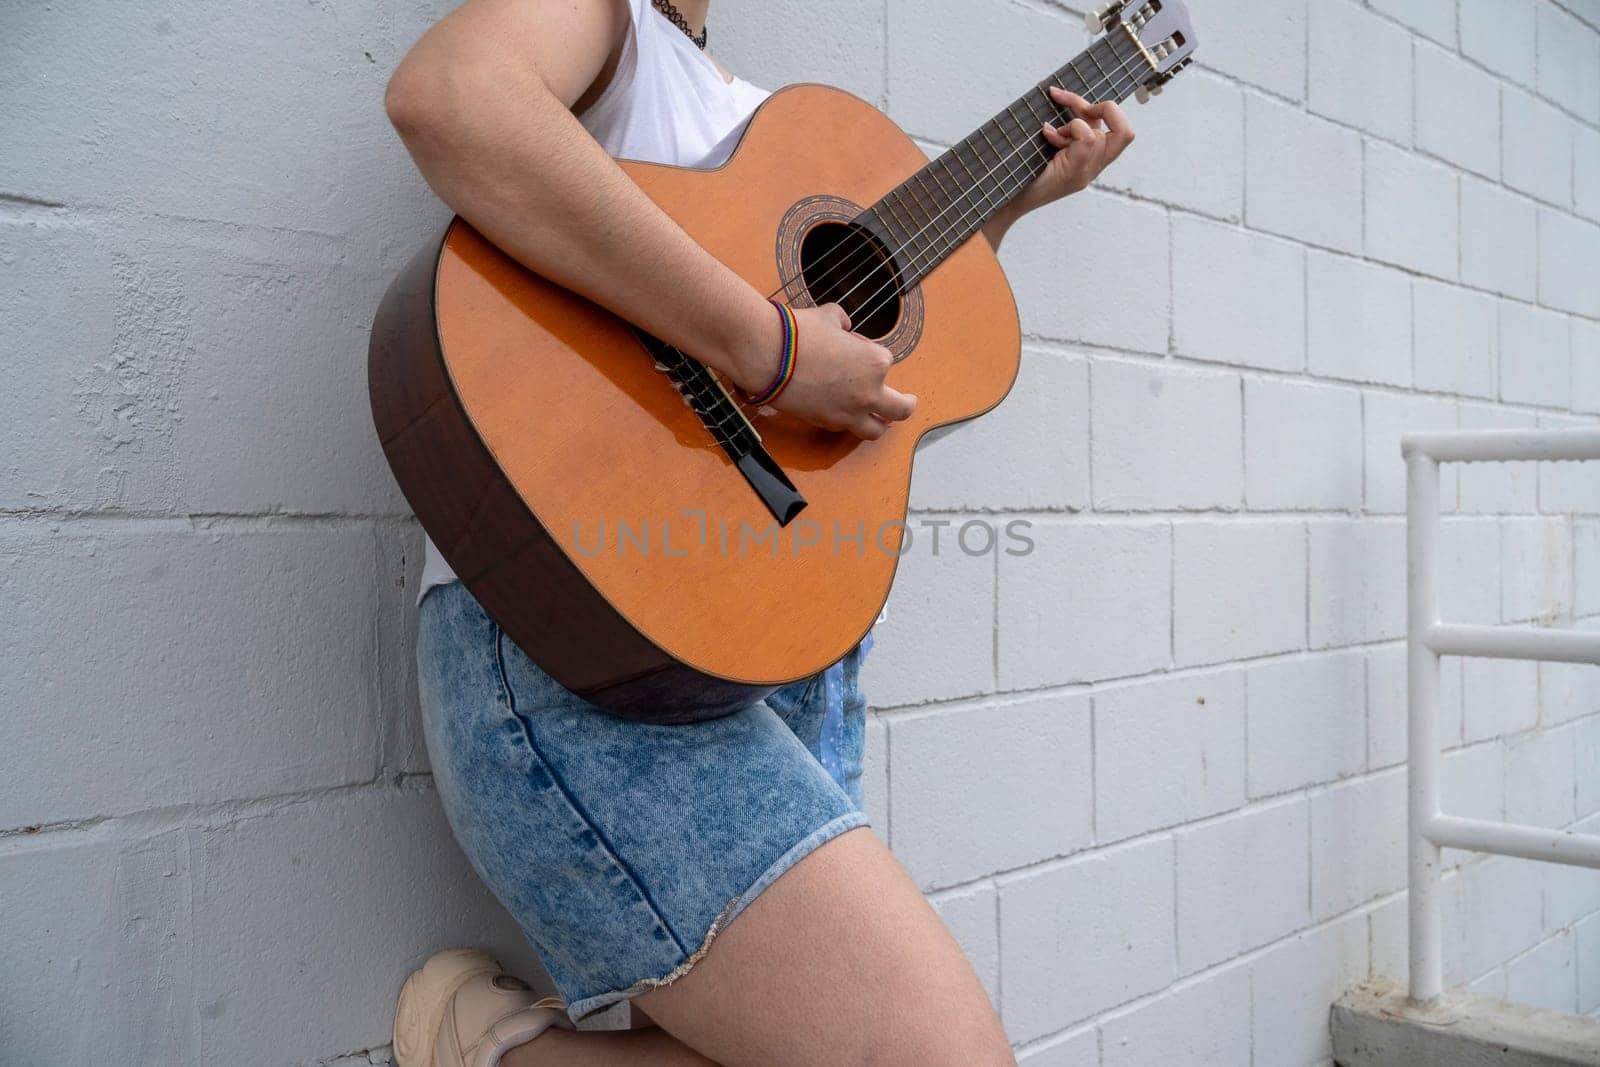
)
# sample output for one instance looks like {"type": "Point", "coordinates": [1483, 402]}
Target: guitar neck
{"type": "Point", "coordinates": [935, 211]}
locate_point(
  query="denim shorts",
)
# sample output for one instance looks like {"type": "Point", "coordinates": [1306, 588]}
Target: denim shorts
{"type": "Point", "coordinates": [622, 848]}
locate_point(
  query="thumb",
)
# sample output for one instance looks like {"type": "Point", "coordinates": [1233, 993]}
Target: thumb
{"type": "Point", "coordinates": [840, 313]}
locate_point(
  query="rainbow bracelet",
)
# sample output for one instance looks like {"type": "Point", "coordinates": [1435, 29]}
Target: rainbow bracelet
{"type": "Point", "coordinates": [791, 349]}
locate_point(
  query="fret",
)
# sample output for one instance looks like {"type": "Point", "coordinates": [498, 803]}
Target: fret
{"type": "Point", "coordinates": [949, 196]}
{"type": "Point", "coordinates": [904, 217]}
{"type": "Point", "coordinates": [1083, 82]}
{"type": "Point", "coordinates": [952, 214]}
{"type": "Point", "coordinates": [1052, 113]}
{"type": "Point", "coordinates": [937, 209]}
{"type": "Point", "coordinates": [999, 153]}
{"type": "Point", "coordinates": [975, 186]}
{"type": "Point", "coordinates": [924, 204]}
{"type": "Point", "coordinates": [1102, 71]}
{"type": "Point", "coordinates": [1021, 130]}
{"type": "Point", "coordinates": [1130, 68]}
{"type": "Point", "coordinates": [928, 200]}
{"type": "Point", "coordinates": [886, 213]}
{"type": "Point", "coordinates": [918, 240]}
{"type": "Point", "coordinates": [956, 151]}
{"type": "Point", "coordinates": [895, 215]}
{"type": "Point", "coordinates": [1042, 100]}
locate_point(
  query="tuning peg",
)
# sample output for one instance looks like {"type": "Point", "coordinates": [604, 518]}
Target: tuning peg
{"type": "Point", "coordinates": [1142, 94]}
{"type": "Point", "coordinates": [1096, 21]}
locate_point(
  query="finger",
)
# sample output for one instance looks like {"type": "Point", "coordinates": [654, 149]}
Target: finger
{"type": "Point", "coordinates": [869, 427]}
{"type": "Point", "coordinates": [1084, 150]}
{"type": "Point", "coordinates": [842, 315]}
{"type": "Point", "coordinates": [1077, 104]}
{"type": "Point", "coordinates": [1055, 137]}
{"type": "Point", "coordinates": [1120, 130]}
{"type": "Point", "coordinates": [1080, 108]}
{"type": "Point", "coordinates": [893, 405]}
{"type": "Point", "coordinates": [1078, 130]}
{"type": "Point", "coordinates": [1081, 164]}
{"type": "Point", "coordinates": [1090, 145]}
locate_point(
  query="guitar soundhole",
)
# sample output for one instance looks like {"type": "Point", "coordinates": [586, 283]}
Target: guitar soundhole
{"type": "Point", "coordinates": [842, 263]}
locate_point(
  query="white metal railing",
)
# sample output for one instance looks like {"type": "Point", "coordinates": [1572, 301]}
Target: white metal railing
{"type": "Point", "coordinates": [1428, 638]}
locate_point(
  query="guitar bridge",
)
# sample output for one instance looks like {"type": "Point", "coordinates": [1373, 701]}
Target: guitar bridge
{"type": "Point", "coordinates": [723, 419]}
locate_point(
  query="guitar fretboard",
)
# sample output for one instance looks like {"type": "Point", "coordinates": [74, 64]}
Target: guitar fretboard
{"type": "Point", "coordinates": [936, 210]}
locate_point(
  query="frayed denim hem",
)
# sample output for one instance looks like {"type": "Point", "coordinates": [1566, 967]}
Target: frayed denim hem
{"type": "Point", "coordinates": [802, 848]}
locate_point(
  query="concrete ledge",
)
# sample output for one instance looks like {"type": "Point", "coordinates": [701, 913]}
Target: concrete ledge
{"type": "Point", "coordinates": [1376, 1025]}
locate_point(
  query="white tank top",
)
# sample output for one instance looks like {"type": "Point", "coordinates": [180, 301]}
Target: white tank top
{"type": "Point", "coordinates": [666, 103]}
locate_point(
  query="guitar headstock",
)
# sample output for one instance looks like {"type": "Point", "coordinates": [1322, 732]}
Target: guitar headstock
{"type": "Point", "coordinates": [1160, 29]}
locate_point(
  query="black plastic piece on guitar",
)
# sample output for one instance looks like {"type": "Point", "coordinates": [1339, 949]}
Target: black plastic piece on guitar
{"type": "Point", "coordinates": [728, 427]}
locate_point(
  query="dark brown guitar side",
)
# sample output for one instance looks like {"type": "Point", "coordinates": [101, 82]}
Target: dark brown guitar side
{"type": "Point", "coordinates": [522, 422]}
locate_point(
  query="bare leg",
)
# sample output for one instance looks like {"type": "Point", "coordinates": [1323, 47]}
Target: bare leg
{"type": "Point", "coordinates": [841, 960]}
{"type": "Point", "coordinates": [602, 1048]}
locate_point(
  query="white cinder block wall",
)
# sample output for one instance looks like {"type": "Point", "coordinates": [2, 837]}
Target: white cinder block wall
{"type": "Point", "coordinates": [1151, 774]}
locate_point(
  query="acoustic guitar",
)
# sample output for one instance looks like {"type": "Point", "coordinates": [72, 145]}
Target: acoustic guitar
{"type": "Point", "coordinates": [659, 548]}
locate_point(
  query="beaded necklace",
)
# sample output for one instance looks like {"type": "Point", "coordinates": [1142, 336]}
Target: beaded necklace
{"type": "Point", "coordinates": [674, 16]}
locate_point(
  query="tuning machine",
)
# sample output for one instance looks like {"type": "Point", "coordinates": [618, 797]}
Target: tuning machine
{"type": "Point", "coordinates": [1173, 73]}
{"type": "Point", "coordinates": [1144, 92]}
{"type": "Point", "coordinates": [1098, 21]}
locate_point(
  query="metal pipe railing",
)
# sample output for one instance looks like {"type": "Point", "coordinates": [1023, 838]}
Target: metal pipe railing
{"type": "Point", "coordinates": [1428, 638]}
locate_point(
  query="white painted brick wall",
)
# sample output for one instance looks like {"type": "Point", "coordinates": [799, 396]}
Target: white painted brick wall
{"type": "Point", "coordinates": [1290, 981]}
{"type": "Point", "coordinates": [1239, 590]}
{"type": "Point", "coordinates": [1411, 211]}
{"type": "Point", "coordinates": [1358, 320]}
{"type": "Point", "coordinates": [1500, 34]}
{"type": "Point", "coordinates": [1165, 438]}
{"type": "Point", "coordinates": [1151, 774]}
{"type": "Point", "coordinates": [1168, 752]}
{"type": "Point", "coordinates": [1434, 19]}
{"type": "Point", "coordinates": [1243, 881]}
{"type": "Point", "coordinates": [1357, 581]}
{"type": "Point", "coordinates": [1569, 262]}
{"type": "Point", "coordinates": [1183, 1025]}
{"type": "Point", "coordinates": [1535, 356]}
{"type": "Point", "coordinates": [1537, 148]}
{"type": "Point", "coordinates": [1503, 488]}
{"type": "Point", "coordinates": [1385, 418]}
{"type": "Point", "coordinates": [1569, 62]}
{"type": "Point", "coordinates": [1306, 722]}
{"type": "Point", "coordinates": [1360, 70]}
{"type": "Point", "coordinates": [1456, 334]}
{"type": "Point", "coordinates": [1287, 152]}
{"type": "Point", "coordinates": [1586, 172]}
{"type": "Point", "coordinates": [1302, 446]}
{"type": "Point", "coordinates": [1453, 104]}
{"type": "Point", "coordinates": [1057, 968]}
{"type": "Point", "coordinates": [1499, 250]}
{"type": "Point", "coordinates": [1041, 758]}
{"type": "Point", "coordinates": [1215, 266]}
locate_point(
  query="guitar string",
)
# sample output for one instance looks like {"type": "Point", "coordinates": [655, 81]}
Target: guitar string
{"type": "Point", "coordinates": [933, 253]}
{"type": "Point", "coordinates": [957, 204]}
{"type": "Point", "coordinates": [1032, 142]}
{"type": "Point", "coordinates": [898, 210]}
{"type": "Point", "coordinates": [940, 246]}
{"type": "Point", "coordinates": [1106, 80]}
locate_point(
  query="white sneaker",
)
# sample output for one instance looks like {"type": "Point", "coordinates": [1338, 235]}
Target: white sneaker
{"type": "Point", "coordinates": [462, 1010]}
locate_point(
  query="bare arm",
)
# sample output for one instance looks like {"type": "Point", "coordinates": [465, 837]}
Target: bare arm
{"type": "Point", "coordinates": [483, 103]}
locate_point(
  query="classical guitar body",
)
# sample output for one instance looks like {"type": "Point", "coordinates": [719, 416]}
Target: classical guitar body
{"type": "Point", "coordinates": [668, 560]}
{"type": "Point", "coordinates": [537, 430]}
